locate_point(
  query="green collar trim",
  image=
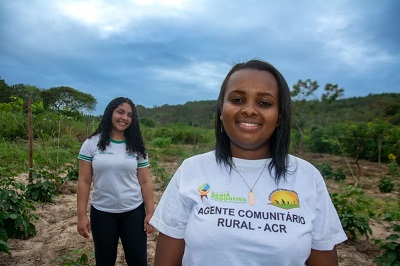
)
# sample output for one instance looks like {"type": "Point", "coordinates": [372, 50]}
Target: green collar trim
{"type": "Point", "coordinates": [117, 141]}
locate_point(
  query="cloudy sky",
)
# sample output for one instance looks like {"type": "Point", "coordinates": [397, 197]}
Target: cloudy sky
{"type": "Point", "coordinates": [175, 51]}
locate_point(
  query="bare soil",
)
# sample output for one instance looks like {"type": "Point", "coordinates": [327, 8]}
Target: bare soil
{"type": "Point", "coordinates": [57, 235]}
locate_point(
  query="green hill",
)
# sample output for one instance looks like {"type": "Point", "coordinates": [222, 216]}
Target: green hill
{"type": "Point", "coordinates": [384, 106]}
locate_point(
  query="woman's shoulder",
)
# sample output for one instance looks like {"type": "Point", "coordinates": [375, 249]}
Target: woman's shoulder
{"type": "Point", "coordinates": [91, 140]}
{"type": "Point", "coordinates": [300, 163]}
{"type": "Point", "coordinates": [202, 158]}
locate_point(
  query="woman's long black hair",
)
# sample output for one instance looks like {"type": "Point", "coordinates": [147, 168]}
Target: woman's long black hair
{"type": "Point", "coordinates": [133, 135]}
{"type": "Point", "coordinates": [280, 139]}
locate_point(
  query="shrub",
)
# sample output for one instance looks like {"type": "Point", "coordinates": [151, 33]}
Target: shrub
{"type": "Point", "coordinates": [339, 174]}
{"type": "Point", "coordinates": [386, 184]}
{"type": "Point", "coordinates": [393, 166]}
{"type": "Point", "coordinates": [148, 122]}
{"type": "Point", "coordinates": [326, 170]}
{"type": "Point", "coordinates": [160, 173]}
{"type": "Point", "coordinates": [161, 142]}
{"type": "Point", "coordinates": [4, 245]}
{"type": "Point", "coordinates": [72, 171]}
{"type": "Point", "coordinates": [328, 173]}
{"type": "Point", "coordinates": [77, 257]}
{"type": "Point", "coordinates": [15, 210]}
{"type": "Point", "coordinates": [391, 248]}
{"type": "Point", "coordinates": [44, 187]}
{"type": "Point", "coordinates": [13, 126]}
{"type": "Point", "coordinates": [351, 206]}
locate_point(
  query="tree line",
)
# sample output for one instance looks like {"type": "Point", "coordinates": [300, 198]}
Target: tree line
{"type": "Point", "coordinates": [61, 99]}
{"type": "Point", "coordinates": [359, 127]}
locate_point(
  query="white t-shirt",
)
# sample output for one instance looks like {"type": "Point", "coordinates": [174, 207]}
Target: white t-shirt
{"type": "Point", "coordinates": [116, 187]}
{"type": "Point", "coordinates": [210, 210]}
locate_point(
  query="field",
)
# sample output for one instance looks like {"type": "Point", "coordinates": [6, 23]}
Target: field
{"type": "Point", "coordinates": [57, 236]}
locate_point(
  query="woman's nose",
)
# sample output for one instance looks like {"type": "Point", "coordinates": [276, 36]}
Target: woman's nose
{"type": "Point", "coordinates": [249, 110]}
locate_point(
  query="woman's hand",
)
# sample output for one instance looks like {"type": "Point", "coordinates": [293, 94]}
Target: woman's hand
{"type": "Point", "coordinates": [148, 228]}
{"type": "Point", "coordinates": [83, 227]}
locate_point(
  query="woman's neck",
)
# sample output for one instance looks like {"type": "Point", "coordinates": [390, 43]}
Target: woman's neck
{"type": "Point", "coordinates": [117, 135]}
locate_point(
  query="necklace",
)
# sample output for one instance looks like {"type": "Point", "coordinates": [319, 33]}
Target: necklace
{"type": "Point", "coordinates": [251, 193]}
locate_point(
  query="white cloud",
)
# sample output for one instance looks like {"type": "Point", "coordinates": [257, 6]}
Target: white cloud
{"type": "Point", "coordinates": [207, 76]}
{"type": "Point", "coordinates": [174, 51]}
{"type": "Point", "coordinates": [337, 31]}
{"type": "Point", "coordinates": [113, 17]}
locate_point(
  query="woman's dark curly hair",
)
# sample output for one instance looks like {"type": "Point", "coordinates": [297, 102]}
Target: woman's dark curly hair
{"type": "Point", "coordinates": [133, 135]}
{"type": "Point", "coordinates": [280, 139]}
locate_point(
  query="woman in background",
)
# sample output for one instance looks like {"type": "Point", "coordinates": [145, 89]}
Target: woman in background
{"type": "Point", "coordinates": [114, 158]}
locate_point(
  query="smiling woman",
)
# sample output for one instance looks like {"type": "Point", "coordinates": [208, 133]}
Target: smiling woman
{"type": "Point", "coordinates": [261, 200]}
{"type": "Point", "coordinates": [115, 160]}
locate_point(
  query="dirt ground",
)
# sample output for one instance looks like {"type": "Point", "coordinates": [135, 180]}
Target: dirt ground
{"type": "Point", "coordinates": [57, 236]}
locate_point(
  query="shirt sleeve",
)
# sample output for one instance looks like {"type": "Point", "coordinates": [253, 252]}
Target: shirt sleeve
{"type": "Point", "coordinates": [143, 162]}
{"type": "Point", "coordinates": [86, 152]}
{"type": "Point", "coordinates": [327, 228]}
{"type": "Point", "coordinates": [171, 215]}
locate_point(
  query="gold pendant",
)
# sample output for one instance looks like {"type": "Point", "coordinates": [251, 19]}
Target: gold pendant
{"type": "Point", "coordinates": [251, 198]}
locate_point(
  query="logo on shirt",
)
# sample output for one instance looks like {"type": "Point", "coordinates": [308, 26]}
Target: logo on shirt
{"type": "Point", "coordinates": [284, 199]}
{"type": "Point", "coordinates": [203, 190]}
{"type": "Point", "coordinates": [226, 197]}
{"type": "Point", "coordinates": [105, 152]}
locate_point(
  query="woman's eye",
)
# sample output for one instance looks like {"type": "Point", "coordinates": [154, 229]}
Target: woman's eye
{"type": "Point", "coordinates": [264, 103]}
{"type": "Point", "coordinates": [236, 100]}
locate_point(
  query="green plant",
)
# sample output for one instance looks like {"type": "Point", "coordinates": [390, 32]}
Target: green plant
{"type": "Point", "coordinates": [386, 184]}
{"type": "Point", "coordinates": [72, 172]}
{"type": "Point", "coordinates": [160, 173]}
{"type": "Point", "coordinates": [351, 206]}
{"type": "Point", "coordinates": [393, 165]}
{"type": "Point", "coordinates": [16, 210]}
{"type": "Point", "coordinates": [161, 142]}
{"type": "Point", "coordinates": [44, 187]}
{"type": "Point", "coordinates": [326, 170]}
{"type": "Point", "coordinates": [77, 257]}
{"type": "Point", "coordinates": [391, 248]}
{"type": "Point", "coordinates": [4, 245]}
{"type": "Point", "coordinates": [339, 174]}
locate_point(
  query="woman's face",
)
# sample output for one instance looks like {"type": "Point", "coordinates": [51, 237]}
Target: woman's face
{"type": "Point", "coordinates": [250, 112]}
{"type": "Point", "coordinates": [121, 117]}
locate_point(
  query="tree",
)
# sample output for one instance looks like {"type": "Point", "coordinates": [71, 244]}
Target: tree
{"type": "Point", "coordinates": [302, 90]}
{"type": "Point", "coordinates": [25, 92]}
{"type": "Point", "coordinates": [4, 92]}
{"type": "Point", "coordinates": [332, 93]}
{"type": "Point", "coordinates": [66, 99]}
{"type": "Point", "coordinates": [302, 110]}
{"type": "Point", "coordinates": [307, 108]}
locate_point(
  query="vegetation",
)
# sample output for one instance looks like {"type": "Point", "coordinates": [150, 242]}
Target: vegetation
{"type": "Point", "coordinates": [77, 257]}
{"type": "Point", "coordinates": [374, 107]}
{"type": "Point", "coordinates": [354, 212]}
{"type": "Point", "coordinates": [390, 247]}
{"type": "Point", "coordinates": [355, 128]}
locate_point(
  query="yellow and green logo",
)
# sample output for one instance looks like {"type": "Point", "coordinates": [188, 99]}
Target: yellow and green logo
{"type": "Point", "coordinates": [284, 199]}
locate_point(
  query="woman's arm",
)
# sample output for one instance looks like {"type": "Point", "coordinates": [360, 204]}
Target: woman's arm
{"type": "Point", "coordinates": [169, 251]}
{"type": "Point", "coordinates": [323, 258]}
{"type": "Point", "coordinates": [146, 186]}
{"type": "Point", "coordinates": [84, 183]}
